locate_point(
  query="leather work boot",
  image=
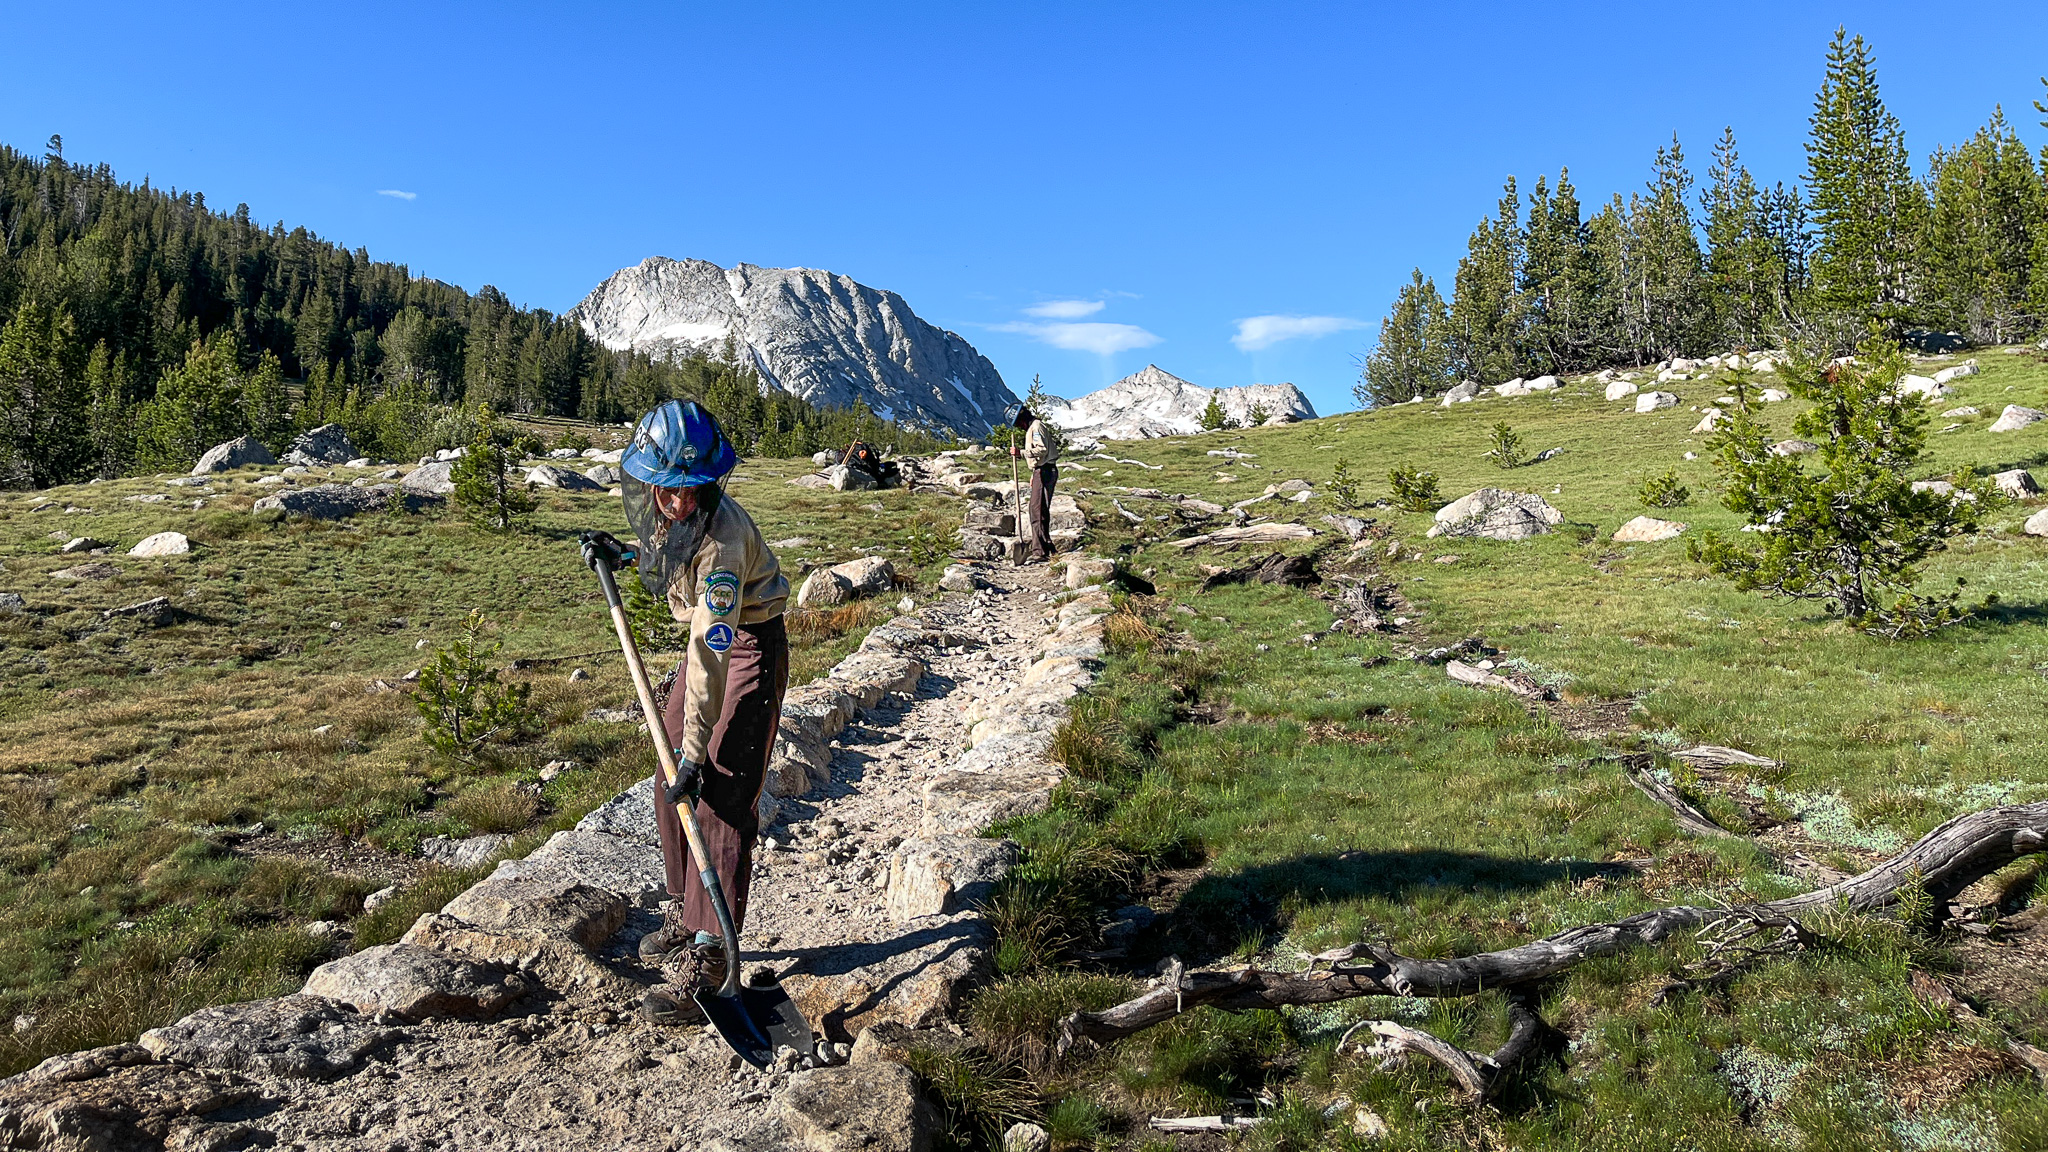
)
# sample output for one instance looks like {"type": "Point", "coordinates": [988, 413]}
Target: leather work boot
{"type": "Point", "coordinates": [670, 936]}
{"type": "Point", "coordinates": [668, 1005]}
{"type": "Point", "coordinates": [695, 966]}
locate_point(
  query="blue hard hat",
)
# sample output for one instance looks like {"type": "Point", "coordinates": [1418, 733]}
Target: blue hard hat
{"type": "Point", "coordinates": [678, 445]}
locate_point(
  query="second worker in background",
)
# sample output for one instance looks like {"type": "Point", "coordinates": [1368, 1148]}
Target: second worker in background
{"type": "Point", "coordinates": [1041, 455]}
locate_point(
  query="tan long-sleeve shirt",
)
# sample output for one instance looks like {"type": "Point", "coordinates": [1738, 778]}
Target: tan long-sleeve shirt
{"type": "Point", "coordinates": [734, 580]}
{"type": "Point", "coordinates": [1039, 450]}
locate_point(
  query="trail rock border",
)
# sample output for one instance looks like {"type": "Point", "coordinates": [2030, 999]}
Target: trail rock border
{"type": "Point", "coordinates": [865, 897]}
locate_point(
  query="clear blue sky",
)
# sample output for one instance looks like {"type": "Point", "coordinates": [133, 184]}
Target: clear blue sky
{"type": "Point", "coordinates": [1006, 168]}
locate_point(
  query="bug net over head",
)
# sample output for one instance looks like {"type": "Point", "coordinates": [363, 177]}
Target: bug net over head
{"type": "Point", "coordinates": [678, 445]}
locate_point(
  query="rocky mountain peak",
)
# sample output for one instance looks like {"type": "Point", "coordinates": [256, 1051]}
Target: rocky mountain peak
{"type": "Point", "coordinates": [1154, 402]}
{"type": "Point", "coordinates": [817, 334]}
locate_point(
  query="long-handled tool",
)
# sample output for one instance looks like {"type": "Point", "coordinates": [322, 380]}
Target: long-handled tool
{"type": "Point", "coordinates": [1017, 502]}
{"type": "Point", "coordinates": [754, 1018]}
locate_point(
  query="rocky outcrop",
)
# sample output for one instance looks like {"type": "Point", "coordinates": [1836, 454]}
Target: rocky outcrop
{"type": "Point", "coordinates": [1496, 514]}
{"type": "Point", "coordinates": [554, 476]}
{"type": "Point", "coordinates": [818, 335]}
{"type": "Point", "coordinates": [1153, 402]}
{"type": "Point", "coordinates": [241, 452]}
{"type": "Point", "coordinates": [327, 444]}
{"type": "Point", "coordinates": [414, 983]}
{"type": "Point", "coordinates": [340, 501]}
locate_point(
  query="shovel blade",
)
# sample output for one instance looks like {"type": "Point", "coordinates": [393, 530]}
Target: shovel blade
{"type": "Point", "coordinates": [757, 1022]}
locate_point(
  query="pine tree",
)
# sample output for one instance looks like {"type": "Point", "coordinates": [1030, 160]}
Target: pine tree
{"type": "Point", "coordinates": [1414, 354]}
{"type": "Point", "coordinates": [43, 400]}
{"type": "Point", "coordinates": [1742, 279]}
{"type": "Point", "coordinates": [1559, 282]}
{"type": "Point", "coordinates": [1850, 535]}
{"type": "Point", "coordinates": [1486, 304]}
{"type": "Point", "coordinates": [1862, 194]}
{"type": "Point", "coordinates": [196, 407]}
{"type": "Point", "coordinates": [266, 403]}
{"type": "Point", "coordinates": [484, 487]}
{"type": "Point", "coordinates": [1673, 300]}
{"type": "Point", "coordinates": [1214, 419]}
{"type": "Point", "coordinates": [110, 415]}
{"type": "Point", "coordinates": [1988, 211]}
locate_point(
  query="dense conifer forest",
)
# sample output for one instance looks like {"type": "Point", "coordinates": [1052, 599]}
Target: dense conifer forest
{"type": "Point", "coordinates": [1958, 254]}
{"type": "Point", "coordinates": [138, 327]}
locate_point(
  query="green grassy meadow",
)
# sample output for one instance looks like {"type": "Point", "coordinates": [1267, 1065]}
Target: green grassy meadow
{"type": "Point", "coordinates": [1275, 798]}
{"type": "Point", "coordinates": [137, 761]}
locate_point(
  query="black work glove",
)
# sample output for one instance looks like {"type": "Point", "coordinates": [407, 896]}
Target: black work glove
{"type": "Point", "coordinates": [689, 780]}
{"type": "Point", "coordinates": [604, 548]}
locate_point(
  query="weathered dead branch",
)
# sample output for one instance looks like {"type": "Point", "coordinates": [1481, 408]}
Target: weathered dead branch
{"type": "Point", "coordinates": [1689, 818]}
{"type": "Point", "coordinates": [1476, 1074]}
{"type": "Point", "coordinates": [1943, 863]}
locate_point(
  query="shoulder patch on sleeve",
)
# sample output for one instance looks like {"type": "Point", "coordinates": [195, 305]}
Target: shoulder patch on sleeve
{"type": "Point", "coordinates": [722, 592]}
{"type": "Point", "coordinates": [718, 637]}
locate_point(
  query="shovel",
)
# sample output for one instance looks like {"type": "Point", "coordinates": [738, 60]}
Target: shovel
{"type": "Point", "coordinates": [756, 1018]}
{"type": "Point", "coordinates": [1017, 502]}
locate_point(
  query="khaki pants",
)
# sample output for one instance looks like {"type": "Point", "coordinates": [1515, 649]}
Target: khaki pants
{"type": "Point", "coordinates": [1043, 478]}
{"type": "Point", "coordinates": [756, 679]}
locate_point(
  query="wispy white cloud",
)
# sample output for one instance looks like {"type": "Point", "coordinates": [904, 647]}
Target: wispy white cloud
{"type": "Point", "coordinates": [395, 194]}
{"type": "Point", "coordinates": [1095, 336]}
{"type": "Point", "coordinates": [1065, 309]}
{"type": "Point", "coordinates": [1256, 332]}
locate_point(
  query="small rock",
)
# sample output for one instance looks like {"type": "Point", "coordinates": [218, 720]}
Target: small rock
{"type": "Point", "coordinates": [576, 674]}
{"type": "Point", "coordinates": [379, 898]}
{"type": "Point", "coordinates": [1646, 529]}
{"type": "Point", "coordinates": [1026, 1137]}
{"type": "Point", "coordinates": [12, 604]}
{"type": "Point", "coordinates": [1621, 390]}
{"type": "Point", "coordinates": [155, 611]}
{"type": "Point", "coordinates": [959, 578]}
{"type": "Point", "coordinates": [82, 544]}
{"type": "Point", "coordinates": [1793, 448]}
{"type": "Point", "coordinates": [465, 853]}
{"type": "Point", "coordinates": [906, 606]}
{"type": "Point", "coordinates": [1652, 401]}
{"type": "Point", "coordinates": [415, 983]}
{"type": "Point", "coordinates": [162, 544]}
{"type": "Point", "coordinates": [2017, 483]}
{"type": "Point", "coordinates": [2015, 418]}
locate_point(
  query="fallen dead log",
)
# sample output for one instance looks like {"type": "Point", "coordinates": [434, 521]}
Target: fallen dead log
{"type": "Point", "coordinates": [1225, 1123]}
{"type": "Point", "coordinates": [1713, 756]}
{"type": "Point", "coordinates": [1943, 863]}
{"type": "Point", "coordinates": [1249, 534]}
{"type": "Point", "coordinates": [1465, 673]}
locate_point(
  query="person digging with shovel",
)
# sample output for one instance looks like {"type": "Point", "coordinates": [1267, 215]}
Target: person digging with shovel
{"type": "Point", "coordinates": [1041, 455]}
{"type": "Point", "coordinates": [700, 550]}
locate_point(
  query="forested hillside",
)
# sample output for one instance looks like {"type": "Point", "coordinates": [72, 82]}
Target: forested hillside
{"type": "Point", "coordinates": [141, 327]}
{"type": "Point", "coordinates": [1676, 270]}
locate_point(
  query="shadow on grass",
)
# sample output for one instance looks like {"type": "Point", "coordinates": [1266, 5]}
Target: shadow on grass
{"type": "Point", "coordinates": [1220, 912]}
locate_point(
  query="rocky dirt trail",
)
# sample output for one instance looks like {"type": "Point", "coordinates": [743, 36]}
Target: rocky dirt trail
{"type": "Point", "coordinates": [507, 1021]}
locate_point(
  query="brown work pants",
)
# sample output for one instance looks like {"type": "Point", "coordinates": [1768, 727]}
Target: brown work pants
{"type": "Point", "coordinates": [1043, 478]}
{"type": "Point", "coordinates": [757, 676]}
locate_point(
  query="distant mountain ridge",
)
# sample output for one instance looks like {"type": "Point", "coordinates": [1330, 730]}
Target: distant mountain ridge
{"type": "Point", "coordinates": [819, 335]}
{"type": "Point", "coordinates": [1153, 402]}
